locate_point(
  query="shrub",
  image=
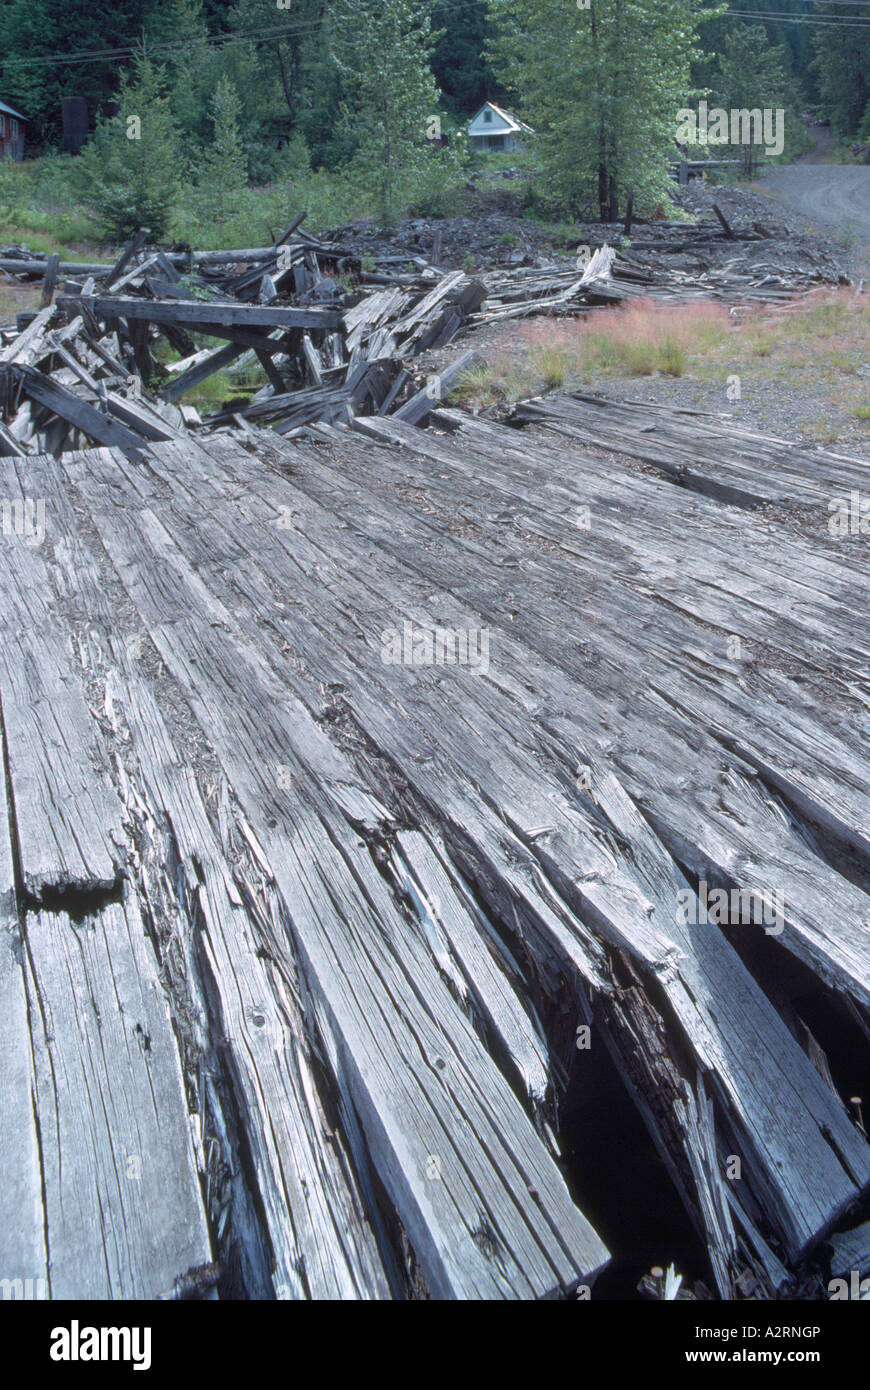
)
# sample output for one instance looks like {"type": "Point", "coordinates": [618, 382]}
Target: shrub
{"type": "Point", "coordinates": [130, 169]}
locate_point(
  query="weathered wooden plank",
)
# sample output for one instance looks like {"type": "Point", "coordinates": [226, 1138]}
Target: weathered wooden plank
{"type": "Point", "coordinates": [415, 411]}
{"type": "Point", "coordinates": [22, 348]}
{"type": "Point", "coordinates": [200, 313]}
{"type": "Point", "coordinates": [22, 1231]}
{"type": "Point", "coordinates": [141, 418]}
{"type": "Point", "coordinates": [799, 1210]}
{"type": "Point", "coordinates": [802, 1215]}
{"type": "Point", "coordinates": [410, 1112]}
{"type": "Point", "coordinates": [123, 1209]}
{"type": "Point", "coordinates": [68, 820]}
{"type": "Point", "coordinates": [728, 463]}
{"type": "Point", "coordinates": [77, 412]}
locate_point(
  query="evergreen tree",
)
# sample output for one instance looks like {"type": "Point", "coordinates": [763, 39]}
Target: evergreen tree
{"type": "Point", "coordinates": [601, 87]}
{"type": "Point", "coordinates": [130, 169]}
{"type": "Point", "coordinates": [460, 63]}
{"type": "Point", "coordinates": [222, 185]}
{"type": "Point", "coordinates": [751, 75]}
{"type": "Point", "coordinates": [179, 30]}
{"type": "Point", "coordinates": [842, 62]}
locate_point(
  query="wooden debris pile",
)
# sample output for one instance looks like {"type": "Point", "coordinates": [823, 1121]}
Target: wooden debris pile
{"type": "Point", "coordinates": [412, 922]}
{"type": "Point", "coordinates": [87, 368]}
{"type": "Point", "coordinates": [649, 271]}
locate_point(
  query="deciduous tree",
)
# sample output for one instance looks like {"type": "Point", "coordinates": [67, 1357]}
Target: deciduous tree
{"type": "Point", "coordinates": [601, 87]}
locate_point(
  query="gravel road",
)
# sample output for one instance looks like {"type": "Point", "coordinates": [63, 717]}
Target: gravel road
{"type": "Point", "coordinates": [836, 194]}
{"type": "Point", "coordinates": [831, 195]}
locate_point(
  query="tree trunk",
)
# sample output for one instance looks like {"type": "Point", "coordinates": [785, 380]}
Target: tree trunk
{"type": "Point", "coordinates": [386, 186]}
{"type": "Point", "coordinates": [602, 130]}
{"type": "Point", "coordinates": [285, 83]}
{"type": "Point", "coordinates": [603, 198]}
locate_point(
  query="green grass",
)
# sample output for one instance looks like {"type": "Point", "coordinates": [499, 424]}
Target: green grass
{"type": "Point", "coordinates": [40, 206]}
{"type": "Point", "coordinates": [240, 379]}
{"type": "Point", "coordinates": [43, 206]}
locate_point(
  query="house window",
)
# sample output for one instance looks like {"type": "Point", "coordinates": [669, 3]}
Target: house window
{"type": "Point", "coordinates": [487, 115]}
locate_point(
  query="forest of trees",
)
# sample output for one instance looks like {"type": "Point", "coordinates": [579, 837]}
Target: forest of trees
{"type": "Point", "coordinates": [235, 95]}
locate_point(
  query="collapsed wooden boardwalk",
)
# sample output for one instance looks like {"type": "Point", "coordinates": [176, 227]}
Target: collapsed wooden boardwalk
{"type": "Point", "coordinates": [302, 927]}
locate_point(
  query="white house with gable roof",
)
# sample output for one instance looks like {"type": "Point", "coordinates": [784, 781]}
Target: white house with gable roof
{"type": "Point", "coordinates": [494, 129]}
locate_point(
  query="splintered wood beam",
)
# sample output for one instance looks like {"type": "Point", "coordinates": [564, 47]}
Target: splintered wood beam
{"type": "Point", "coordinates": [49, 282]}
{"type": "Point", "coordinates": [199, 314]}
{"type": "Point", "coordinates": [30, 341]}
{"type": "Point", "coordinates": [139, 334]}
{"type": "Point", "coordinates": [10, 447]}
{"type": "Point", "coordinates": [313, 360]}
{"type": "Point", "coordinates": [135, 244]}
{"type": "Point", "coordinates": [414, 411]}
{"type": "Point", "coordinates": [77, 412]}
{"type": "Point", "coordinates": [725, 224]}
{"type": "Point", "coordinates": [275, 377]}
{"type": "Point", "coordinates": [143, 420]}
{"type": "Point", "coordinates": [294, 225]}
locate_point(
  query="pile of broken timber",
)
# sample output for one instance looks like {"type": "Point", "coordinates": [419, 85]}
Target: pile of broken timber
{"type": "Point", "coordinates": [88, 370]}
{"type": "Point", "coordinates": [561, 291]}
{"type": "Point", "coordinates": [81, 371]}
{"type": "Point", "coordinates": [298, 943]}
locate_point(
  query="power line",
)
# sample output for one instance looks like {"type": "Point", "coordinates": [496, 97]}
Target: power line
{"type": "Point", "coordinates": [101, 55]}
{"type": "Point", "coordinates": [86, 56]}
{"type": "Point", "coordinates": [169, 47]}
{"type": "Point", "coordinates": [813, 21]}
